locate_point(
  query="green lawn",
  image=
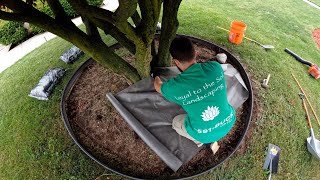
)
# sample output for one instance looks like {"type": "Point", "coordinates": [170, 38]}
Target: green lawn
{"type": "Point", "coordinates": [34, 143]}
{"type": "Point", "coordinates": [2, 22]}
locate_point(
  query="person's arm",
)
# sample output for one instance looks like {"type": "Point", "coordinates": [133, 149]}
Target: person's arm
{"type": "Point", "coordinates": [157, 84]}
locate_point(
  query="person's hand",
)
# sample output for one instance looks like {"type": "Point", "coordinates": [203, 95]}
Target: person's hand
{"type": "Point", "coordinates": [157, 79]}
{"type": "Point", "coordinates": [157, 84]}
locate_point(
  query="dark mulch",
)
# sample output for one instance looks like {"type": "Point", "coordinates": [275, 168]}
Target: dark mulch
{"type": "Point", "coordinates": [103, 132]}
{"type": "Point", "coordinates": [316, 36]}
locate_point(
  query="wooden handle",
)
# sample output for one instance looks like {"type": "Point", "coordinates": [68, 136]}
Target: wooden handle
{"type": "Point", "coordinates": [243, 36]}
{"type": "Point", "coordinates": [314, 113]}
{"type": "Point", "coordinates": [307, 113]}
{"type": "Point", "coordinates": [223, 29]}
{"type": "Point", "coordinates": [268, 78]}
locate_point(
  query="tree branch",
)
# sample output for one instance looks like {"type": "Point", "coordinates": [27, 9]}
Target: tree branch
{"type": "Point", "coordinates": [95, 48]}
{"type": "Point", "coordinates": [91, 29]}
{"type": "Point", "coordinates": [150, 11]}
{"type": "Point", "coordinates": [169, 28]}
{"type": "Point", "coordinates": [113, 61]}
{"type": "Point", "coordinates": [146, 15]}
{"type": "Point", "coordinates": [59, 13]}
{"type": "Point", "coordinates": [157, 6]}
{"type": "Point", "coordinates": [125, 10]}
{"type": "Point", "coordinates": [12, 16]}
{"type": "Point", "coordinates": [95, 12]}
{"type": "Point", "coordinates": [26, 13]}
{"type": "Point", "coordinates": [115, 33]}
{"type": "Point", "coordinates": [82, 8]}
{"type": "Point", "coordinates": [17, 6]}
{"type": "Point", "coordinates": [136, 18]}
{"type": "Point", "coordinates": [57, 9]}
{"type": "Point", "coordinates": [127, 29]}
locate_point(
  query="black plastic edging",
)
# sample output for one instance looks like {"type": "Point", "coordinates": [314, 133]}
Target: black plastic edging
{"type": "Point", "coordinates": [65, 95]}
{"type": "Point", "coordinates": [235, 62]}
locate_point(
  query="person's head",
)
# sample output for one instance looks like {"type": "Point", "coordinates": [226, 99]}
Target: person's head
{"type": "Point", "coordinates": [183, 52]}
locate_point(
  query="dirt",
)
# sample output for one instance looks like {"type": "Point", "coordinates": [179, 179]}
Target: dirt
{"type": "Point", "coordinates": [103, 132]}
{"type": "Point", "coordinates": [316, 36]}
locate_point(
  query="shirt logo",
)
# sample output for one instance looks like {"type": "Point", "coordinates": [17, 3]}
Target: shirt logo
{"type": "Point", "coordinates": [210, 113]}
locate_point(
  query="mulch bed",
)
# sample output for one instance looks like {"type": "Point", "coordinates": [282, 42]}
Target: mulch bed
{"type": "Point", "coordinates": [103, 132]}
{"type": "Point", "coordinates": [316, 36]}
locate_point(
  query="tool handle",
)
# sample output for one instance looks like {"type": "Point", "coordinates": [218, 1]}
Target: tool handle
{"type": "Point", "coordinates": [253, 40]}
{"type": "Point", "coordinates": [270, 169]}
{"type": "Point", "coordinates": [298, 58]}
{"type": "Point", "coordinates": [307, 113]}
{"type": "Point", "coordinates": [223, 29]}
{"type": "Point", "coordinates": [268, 78]}
{"type": "Point", "coordinates": [244, 36]}
{"type": "Point", "coordinates": [301, 89]}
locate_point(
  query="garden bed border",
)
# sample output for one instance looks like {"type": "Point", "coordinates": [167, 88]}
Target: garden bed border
{"type": "Point", "coordinates": [68, 88]}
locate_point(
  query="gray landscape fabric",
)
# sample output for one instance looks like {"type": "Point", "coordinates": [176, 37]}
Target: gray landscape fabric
{"type": "Point", "coordinates": [156, 113]}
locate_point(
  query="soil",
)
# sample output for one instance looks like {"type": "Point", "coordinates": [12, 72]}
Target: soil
{"type": "Point", "coordinates": [316, 36]}
{"type": "Point", "coordinates": [102, 131]}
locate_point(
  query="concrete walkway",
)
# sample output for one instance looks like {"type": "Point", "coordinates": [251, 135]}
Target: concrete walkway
{"type": "Point", "coordinates": [312, 4]}
{"type": "Point", "coordinates": [7, 59]}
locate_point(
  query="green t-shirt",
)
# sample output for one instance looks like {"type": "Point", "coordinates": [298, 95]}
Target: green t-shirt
{"type": "Point", "coordinates": [201, 91]}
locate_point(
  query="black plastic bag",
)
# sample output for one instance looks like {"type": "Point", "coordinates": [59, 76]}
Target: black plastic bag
{"type": "Point", "coordinates": [44, 88]}
{"type": "Point", "coordinates": [71, 55]}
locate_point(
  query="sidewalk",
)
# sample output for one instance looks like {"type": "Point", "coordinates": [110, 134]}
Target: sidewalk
{"type": "Point", "coordinates": [15, 54]}
{"type": "Point", "coordinates": [312, 4]}
{"type": "Point", "coordinates": [7, 59]}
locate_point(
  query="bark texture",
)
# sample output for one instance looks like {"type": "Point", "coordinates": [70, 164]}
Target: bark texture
{"type": "Point", "coordinates": [170, 25]}
{"type": "Point", "coordinates": [137, 38]}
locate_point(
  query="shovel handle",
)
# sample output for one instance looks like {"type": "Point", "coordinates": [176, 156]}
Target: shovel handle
{"type": "Point", "coordinates": [307, 113]}
{"type": "Point", "coordinates": [243, 36]}
{"type": "Point", "coordinates": [223, 29]}
{"type": "Point", "coordinates": [314, 113]}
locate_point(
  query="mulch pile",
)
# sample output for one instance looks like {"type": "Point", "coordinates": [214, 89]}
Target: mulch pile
{"type": "Point", "coordinates": [316, 36]}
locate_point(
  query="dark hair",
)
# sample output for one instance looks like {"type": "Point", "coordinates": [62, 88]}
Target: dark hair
{"type": "Point", "coordinates": [182, 49]}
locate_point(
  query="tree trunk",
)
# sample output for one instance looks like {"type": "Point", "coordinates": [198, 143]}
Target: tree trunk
{"type": "Point", "coordinates": [168, 31]}
{"type": "Point", "coordinates": [143, 59]}
{"type": "Point", "coordinates": [107, 58]}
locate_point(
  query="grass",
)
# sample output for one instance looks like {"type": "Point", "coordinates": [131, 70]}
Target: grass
{"type": "Point", "coordinates": [32, 134]}
{"type": "Point", "coordinates": [282, 122]}
{"type": "Point", "coordinates": [35, 145]}
{"type": "Point", "coordinates": [2, 22]}
{"type": "Point", "coordinates": [33, 141]}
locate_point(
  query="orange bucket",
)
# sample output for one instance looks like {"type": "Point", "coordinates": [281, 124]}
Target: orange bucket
{"type": "Point", "coordinates": [237, 30]}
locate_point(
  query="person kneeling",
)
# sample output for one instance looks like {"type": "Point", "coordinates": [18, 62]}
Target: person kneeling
{"type": "Point", "coordinates": [201, 91]}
